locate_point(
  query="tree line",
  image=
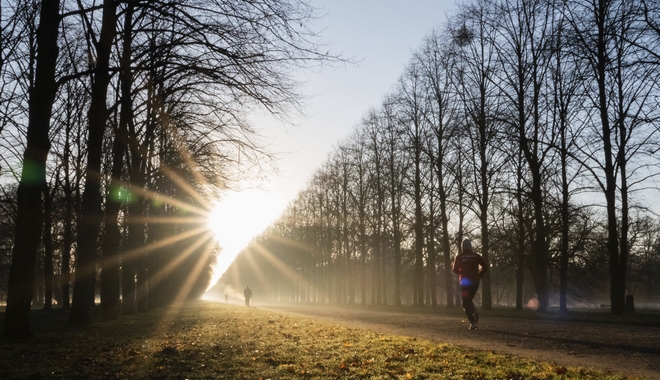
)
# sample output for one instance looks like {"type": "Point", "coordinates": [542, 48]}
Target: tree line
{"type": "Point", "coordinates": [120, 122]}
{"type": "Point", "coordinates": [529, 126]}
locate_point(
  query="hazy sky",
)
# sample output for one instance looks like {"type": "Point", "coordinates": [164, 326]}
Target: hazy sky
{"type": "Point", "coordinates": [380, 35]}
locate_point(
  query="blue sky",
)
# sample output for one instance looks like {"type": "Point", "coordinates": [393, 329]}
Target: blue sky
{"type": "Point", "coordinates": [381, 36]}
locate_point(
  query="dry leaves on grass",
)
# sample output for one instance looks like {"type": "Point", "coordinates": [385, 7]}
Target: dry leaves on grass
{"type": "Point", "coordinates": [209, 340]}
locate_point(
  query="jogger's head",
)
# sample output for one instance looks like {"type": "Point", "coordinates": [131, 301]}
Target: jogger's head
{"type": "Point", "coordinates": [467, 245]}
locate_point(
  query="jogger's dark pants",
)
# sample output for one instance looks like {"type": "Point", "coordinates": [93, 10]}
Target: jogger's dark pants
{"type": "Point", "coordinates": [468, 290]}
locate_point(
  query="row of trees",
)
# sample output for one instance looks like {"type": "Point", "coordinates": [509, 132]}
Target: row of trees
{"type": "Point", "coordinates": [120, 120]}
{"type": "Point", "coordinates": [527, 125]}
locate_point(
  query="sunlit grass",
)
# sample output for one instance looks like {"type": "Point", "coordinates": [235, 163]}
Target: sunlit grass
{"type": "Point", "coordinates": [213, 340]}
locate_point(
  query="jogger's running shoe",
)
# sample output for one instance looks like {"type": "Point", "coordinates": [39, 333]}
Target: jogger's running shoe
{"type": "Point", "coordinates": [475, 321]}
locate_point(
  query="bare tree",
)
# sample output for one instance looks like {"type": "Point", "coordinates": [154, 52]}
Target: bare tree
{"type": "Point", "coordinates": [565, 82]}
{"type": "Point", "coordinates": [412, 101]}
{"type": "Point", "coordinates": [372, 123]}
{"type": "Point", "coordinates": [624, 128]}
{"type": "Point", "coordinates": [359, 196]}
{"type": "Point", "coordinates": [438, 65]}
{"type": "Point", "coordinates": [525, 28]}
{"type": "Point", "coordinates": [88, 230]}
{"type": "Point", "coordinates": [472, 34]}
{"type": "Point", "coordinates": [396, 164]}
{"type": "Point", "coordinates": [33, 176]}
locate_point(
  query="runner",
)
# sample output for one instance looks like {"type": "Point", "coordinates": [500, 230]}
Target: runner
{"type": "Point", "coordinates": [467, 265]}
{"type": "Point", "coordinates": [248, 294]}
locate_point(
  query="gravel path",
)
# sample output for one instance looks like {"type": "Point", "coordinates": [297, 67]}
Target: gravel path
{"type": "Point", "coordinates": [621, 349]}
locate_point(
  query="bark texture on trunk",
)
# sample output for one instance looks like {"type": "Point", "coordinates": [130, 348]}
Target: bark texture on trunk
{"type": "Point", "coordinates": [33, 176]}
{"type": "Point", "coordinates": [90, 222]}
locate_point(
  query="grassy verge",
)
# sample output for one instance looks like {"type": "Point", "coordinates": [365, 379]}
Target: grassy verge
{"type": "Point", "coordinates": [212, 340]}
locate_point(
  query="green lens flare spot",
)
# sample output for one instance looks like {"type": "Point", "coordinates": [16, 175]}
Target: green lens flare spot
{"type": "Point", "coordinates": [32, 172]}
{"type": "Point", "coordinates": [120, 194]}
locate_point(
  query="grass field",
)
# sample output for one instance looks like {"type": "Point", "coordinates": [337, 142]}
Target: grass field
{"type": "Point", "coordinates": [207, 340]}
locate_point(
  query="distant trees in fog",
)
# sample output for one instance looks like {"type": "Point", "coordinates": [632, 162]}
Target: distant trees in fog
{"type": "Point", "coordinates": [529, 126]}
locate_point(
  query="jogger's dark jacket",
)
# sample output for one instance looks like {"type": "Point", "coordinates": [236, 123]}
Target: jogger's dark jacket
{"type": "Point", "coordinates": [467, 265]}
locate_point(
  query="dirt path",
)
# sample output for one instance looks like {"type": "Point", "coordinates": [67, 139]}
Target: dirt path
{"type": "Point", "coordinates": [627, 350]}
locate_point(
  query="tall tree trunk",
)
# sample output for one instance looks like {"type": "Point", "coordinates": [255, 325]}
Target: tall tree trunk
{"type": "Point", "coordinates": [617, 295]}
{"type": "Point", "coordinates": [134, 264]}
{"type": "Point", "coordinates": [486, 301]}
{"type": "Point", "coordinates": [540, 258]}
{"type": "Point", "coordinates": [363, 233]}
{"type": "Point", "coordinates": [110, 279]}
{"type": "Point", "coordinates": [624, 115]}
{"type": "Point", "coordinates": [419, 228]}
{"type": "Point", "coordinates": [48, 249]}
{"type": "Point", "coordinates": [540, 252]}
{"type": "Point", "coordinates": [110, 288]}
{"type": "Point", "coordinates": [380, 262]}
{"type": "Point", "coordinates": [564, 255]}
{"type": "Point", "coordinates": [363, 261]}
{"type": "Point", "coordinates": [135, 240]}
{"type": "Point", "coordinates": [622, 263]}
{"type": "Point", "coordinates": [38, 297]}
{"type": "Point", "coordinates": [339, 267]}
{"type": "Point", "coordinates": [431, 250]}
{"type": "Point", "coordinates": [562, 106]}
{"type": "Point", "coordinates": [33, 176]}
{"type": "Point", "coordinates": [378, 246]}
{"type": "Point", "coordinates": [520, 244]}
{"type": "Point", "coordinates": [397, 267]}
{"type": "Point", "coordinates": [396, 231]}
{"type": "Point", "coordinates": [88, 230]}
{"type": "Point", "coordinates": [349, 278]}
{"type": "Point", "coordinates": [377, 291]}
{"type": "Point", "coordinates": [383, 271]}
{"type": "Point", "coordinates": [327, 246]}
{"type": "Point", "coordinates": [67, 237]}
{"type": "Point", "coordinates": [141, 284]}
{"type": "Point", "coordinates": [137, 263]}
{"type": "Point", "coordinates": [461, 215]}
{"type": "Point", "coordinates": [382, 274]}
{"type": "Point", "coordinates": [431, 263]}
{"type": "Point", "coordinates": [444, 224]}
{"type": "Point", "coordinates": [446, 248]}
{"type": "Point", "coordinates": [395, 207]}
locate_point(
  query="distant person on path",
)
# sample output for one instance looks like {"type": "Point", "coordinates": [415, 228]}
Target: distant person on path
{"type": "Point", "coordinates": [226, 297]}
{"type": "Point", "coordinates": [467, 265]}
{"type": "Point", "coordinates": [248, 294]}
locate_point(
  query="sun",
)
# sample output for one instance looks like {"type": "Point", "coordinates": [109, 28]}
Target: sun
{"type": "Point", "coordinates": [236, 219]}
